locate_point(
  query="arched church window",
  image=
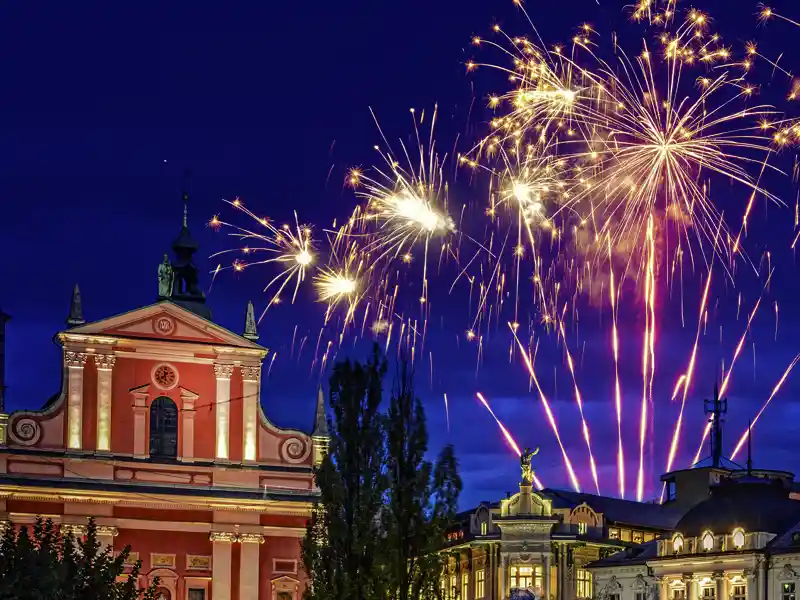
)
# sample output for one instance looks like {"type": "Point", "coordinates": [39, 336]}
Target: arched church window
{"type": "Point", "coordinates": [163, 593]}
{"type": "Point", "coordinates": [708, 541]}
{"type": "Point", "coordinates": [163, 428]}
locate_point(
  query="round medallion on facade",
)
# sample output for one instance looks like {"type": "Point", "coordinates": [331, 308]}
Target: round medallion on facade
{"type": "Point", "coordinates": [165, 376]}
{"type": "Point", "coordinates": [295, 450]}
{"type": "Point", "coordinates": [25, 431]}
{"type": "Point", "coordinates": [163, 325]}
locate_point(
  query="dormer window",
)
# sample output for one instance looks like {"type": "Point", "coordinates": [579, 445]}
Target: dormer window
{"type": "Point", "coordinates": [583, 528]}
{"type": "Point", "coordinates": [484, 528]}
{"type": "Point", "coordinates": [738, 538]}
{"type": "Point", "coordinates": [677, 543]}
{"type": "Point", "coordinates": [707, 541]}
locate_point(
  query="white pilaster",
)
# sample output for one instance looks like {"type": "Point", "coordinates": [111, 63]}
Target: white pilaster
{"type": "Point", "coordinates": [691, 587]}
{"type": "Point", "coordinates": [251, 376]}
{"type": "Point", "coordinates": [502, 576]}
{"type": "Point", "coordinates": [221, 564]}
{"type": "Point", "coordinates": [546, 576]}
{"type": "Point", "coordinates": [104, 364]}
{"type": "Point", "coordinates": [140, 396]}
{"type": "Point", "coordinates": [223, 411]}
{"type": "Point", "coordinates": [75, 362]}
{"type": "Point", "coordinates": [188, 398]}
{"type": "Point", "coordinates": [248, 565]}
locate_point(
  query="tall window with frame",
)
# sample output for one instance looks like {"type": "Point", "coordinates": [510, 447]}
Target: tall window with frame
{"type": "Point", "coordinates": [480, 583]}
{"type": "Point", "coordinates": [464, 585]}
{"type": "Point", "coordinates": [787, 590]}
{"type": "Point", "coordinates": [640, 595]}
{"type": "Point", "coordinates": [709, 592]}
{"type": "Point", "coordinates": [197, 594]}
{"type": "Point", "coordinates": [163, 428]}
{"type": "Point", "coordinates": [739, 592]}
{"type": "Point", "coordinates": [679, 593]}
{"type": "Point", "coordinates": [453, 590]}
{"type": "Point", "coordinates": [526, 576]}
{"type": "Point", "coordinates": [583, 582]}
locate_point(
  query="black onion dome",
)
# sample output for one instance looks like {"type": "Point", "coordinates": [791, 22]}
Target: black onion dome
{"type": "Point", "coordinates": [752, 503]}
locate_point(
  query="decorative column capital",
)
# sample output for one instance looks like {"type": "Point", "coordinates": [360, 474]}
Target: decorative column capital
{"type": "Point", "coordinates": [75, 359]}
{"type": "Point", "coordinates": [223, 371]}
{"type": "Point", "coordinates": [105, 362]}
{"type": "Point", "coordinates": [223, 536]}
{"type": "Point", "coordinates": [251, 372]}
{"type": "Point", "coordinates": [107, 530]}
{"type": "Point", "coordinates": [74, 529]}
{"type": "Point", "coordinates": [251, 538]}
{"type": "Point", "coordinates": [718, 575]}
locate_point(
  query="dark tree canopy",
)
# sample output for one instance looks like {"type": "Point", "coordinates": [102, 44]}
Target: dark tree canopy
{"type": "Point", "coordinates": [383, 509]}
{"type": "Point", "coordinates": [41, 563]}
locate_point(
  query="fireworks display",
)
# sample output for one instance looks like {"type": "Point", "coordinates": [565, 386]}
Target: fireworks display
{"type": "Point", "coordinates": [596, 185]}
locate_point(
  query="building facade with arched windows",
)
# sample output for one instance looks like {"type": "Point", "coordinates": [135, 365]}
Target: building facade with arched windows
{"type": "Point", "coordinates": [158, 433]}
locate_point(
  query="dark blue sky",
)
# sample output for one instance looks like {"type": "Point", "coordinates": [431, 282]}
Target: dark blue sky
{"type": "Point", "coordinates": [105, 105]}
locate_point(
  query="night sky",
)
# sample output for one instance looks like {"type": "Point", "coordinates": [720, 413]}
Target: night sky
{"type": "Point", "coordinates": [105, 105]}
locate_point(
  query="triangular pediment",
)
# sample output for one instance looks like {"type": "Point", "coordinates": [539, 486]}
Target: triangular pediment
{"type": "Point", "coordinates": [165, 321]}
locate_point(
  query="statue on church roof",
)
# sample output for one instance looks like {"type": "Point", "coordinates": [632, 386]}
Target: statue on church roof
{"type": "Point", "coordinates": [525, 465]}
{"type": "Point", "coordinates": [165, 278]}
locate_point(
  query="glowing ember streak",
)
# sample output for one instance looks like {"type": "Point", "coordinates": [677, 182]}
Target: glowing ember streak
{"type": "Point", "coordinates": [507, 435]}
{"type": "Point", "coordinates": [689, 371]}
{"type": "Point", "coordinates": [333, 285]}
{"type": "Point", "coordinates": [648, 358]}
{"type": "Point", "coordinates": [617, 389]}
{"type": "Point", "coordinates": [579, 401]}
{"type": "Point", "coordinates": [777, 387]}
{"type": "Point", "coordinates": [546, 405]}
{"type": "Point", "coordinates": [727, 378]}
{"type": "Point", "coordinates": [447, 413]}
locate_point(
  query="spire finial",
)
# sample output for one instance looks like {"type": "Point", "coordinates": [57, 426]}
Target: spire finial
{"type": "Point", "coordinates": [250, 325]}
{"type": "Point", "coordinates": [320, 420]}
{"type": "Point", "coordinates": [715, 409]}
{"type": "Point", "coordinates": [749, 447]}
{"type": "Point", "coordinates": [185, 209]}
{"type": "Point", "coordinates": [75, 317]}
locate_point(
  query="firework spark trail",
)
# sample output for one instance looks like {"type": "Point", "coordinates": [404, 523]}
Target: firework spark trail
{"type": "Point", "coordinates": [767, 13]}
{"type": "Point", "coordinates": [507, 435]}
{"type": "Point", "coordinates": [689, 371]}
{"type": "Point", "coordinates": [727, 378]}
{"type": "Point", "coordinates": [546, 404]}
{"type": "Point", "coordinates": [579, 401]}
{"type": "Point", "coordinates": [447, 412]}
{"type": "Point", "coordinates": [648, 355]}
{"type": "Point", "coordinates": [617, 388]}
{"type": "Point", "coordinates": [777, 387]}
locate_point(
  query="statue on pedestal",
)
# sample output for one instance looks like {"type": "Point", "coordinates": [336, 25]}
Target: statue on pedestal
{"type": "Point", "coordinates": [525, 465]}
{"type": "Point", "coordinates": [165, 278]}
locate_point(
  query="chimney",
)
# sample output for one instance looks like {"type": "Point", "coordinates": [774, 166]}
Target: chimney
{"type": "Point", "coordinates": [3, 319]}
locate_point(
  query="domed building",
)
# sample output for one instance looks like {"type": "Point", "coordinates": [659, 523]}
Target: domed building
{"type": "Point", "coordinates": [742, 542]}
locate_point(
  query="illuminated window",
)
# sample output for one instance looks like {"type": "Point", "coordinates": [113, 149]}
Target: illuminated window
{"type": "Point", "coordinates": [526, 576]}
{"type": "Point", "coordinates": [708, 541]}
{"type": "Point", "coordinates": [163, 428]}
{"type": "Point", "coordinates": [584, 583]}
{"type": "Point", "coordinates": [484, 528]}
{"type": "Point", "coordinates": [677, 543]}
{"type": "Point", "coordinates": [582, 528]}
{"type": "Point", "coordinates": [464, 585]}
{"type": "Point", "coordinates": [709, 593]}
{"type": "Point", "coordinates": [453, 588]}
{"type": "Point", "coordinates": [787, 591]}
{"type": "Point", "coordinates": [739, 592]}
{"type": "Point", "coordinates": [613, 533]}
{"type": "Point", "coordinates": [649, 537]}
{"type": "Point", "coordinates": [638, 537]}
{"type": "Point", "coordinates": [480, 582]}
{"type": "Point", "coordinates": [625, 535]}
{"type": "Point", "coordinates": [444, 588]}
{"type": "Point", "coordinates": [738, 538]}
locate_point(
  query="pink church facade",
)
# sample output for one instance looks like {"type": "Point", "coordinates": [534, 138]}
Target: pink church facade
{"type": "Point", "coordinates": [159, 434]}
